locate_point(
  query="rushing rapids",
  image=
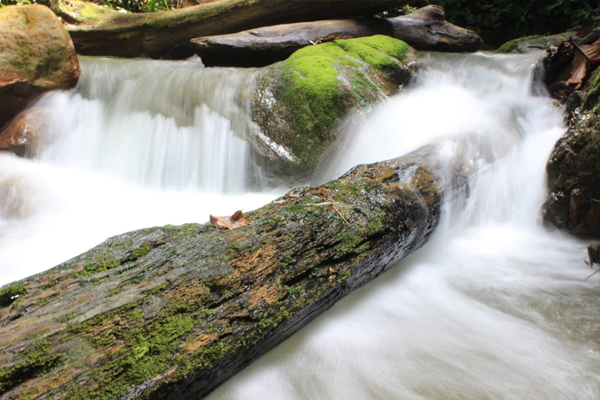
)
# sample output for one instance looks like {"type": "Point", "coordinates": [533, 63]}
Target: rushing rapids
{"type": "Point", "coordinates": [493, 307]}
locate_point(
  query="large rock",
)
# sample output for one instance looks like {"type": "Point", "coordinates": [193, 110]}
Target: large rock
{"type": "Point", "coordinates": [530, 44]}
{"type": "Point", "coordinates": [300, 102]}
{"type": "Point", "coordinates": [425, 29]}
{"type": "Point", "coordinates": [574, 166]}
{"type": "Point", "coordinates": [172, 312]}
{"type": "Point", "coordinates": [99, 31]}
{"type": "Point", "coordinates": [36, 55]}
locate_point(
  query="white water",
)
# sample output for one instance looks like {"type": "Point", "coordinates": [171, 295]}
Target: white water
{"type": "Point", "coordinates": [137, 144]}
{"type": "Point", "coordinates": [493, 307]}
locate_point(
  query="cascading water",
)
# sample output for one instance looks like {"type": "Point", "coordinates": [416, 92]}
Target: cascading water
{"type": "Point", "coordinates": [494, 306]}
{"type": "Point", "coordinates": [139, 143]}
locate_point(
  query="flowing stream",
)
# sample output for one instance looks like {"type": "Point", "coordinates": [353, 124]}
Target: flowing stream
{"type": "Point", "coordinates": [139, 143]}
{"type": "Point", "coordinates": [494, 306]}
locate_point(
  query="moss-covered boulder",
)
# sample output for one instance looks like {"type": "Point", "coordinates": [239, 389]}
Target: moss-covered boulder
{"type": "Point", "coordinates": [36, 55]}
{"type": "Point", "coordinates": [172, 312]}
{"type": "Point", "coordinates": [574, 166]}
{"type": "Point", "coordinates": [300, 102]}
{"type": "Point", "coordinates": [529, 44]}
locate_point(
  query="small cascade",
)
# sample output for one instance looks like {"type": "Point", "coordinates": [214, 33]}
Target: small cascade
{"type": "Point", "coordinates": [159, 124]}
{"type": "Point", "coordinates": [494, 306]}
{"type": "Point", "coordinates": [138, 143]}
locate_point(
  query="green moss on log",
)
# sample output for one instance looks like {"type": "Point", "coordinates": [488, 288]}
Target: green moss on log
{"type": "Point", "coordinates": [84, 12]}
{"type": "Point", "coordinates": [11, 293]}
{"type": "Point", "coordinates": [188, 306]}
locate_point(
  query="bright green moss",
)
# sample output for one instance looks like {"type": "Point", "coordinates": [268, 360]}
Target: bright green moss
{"type": "Point", "coordinates": [511, 45]}
{"type": "Point", "coordinates": [11, 293]}
{"type": "Point", "coordinates": [380, 52]}
{"type": "Point", "coordinates": [85, 12]}
{"type": "Point", "coordinates": [33, 362]}
{"type": "Point", "coordinates": [314, 93]}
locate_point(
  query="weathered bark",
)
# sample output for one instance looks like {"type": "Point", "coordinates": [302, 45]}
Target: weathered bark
{"type": "Point", "coordinates": [425, 29]}
{"type": "Point", "coordinates": [172, 312]}
{"type": "Point", "coordinates": [160, 33]}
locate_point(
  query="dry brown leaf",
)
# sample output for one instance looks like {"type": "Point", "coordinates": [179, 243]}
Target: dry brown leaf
{"type": "Point", "coordinates": [237, 220]}
{"type": "Point", "coordinates": [579, 70]}
{"type": "Point", "coordinates": [592, 51]}
{"type": "Point", "coordinates": [586, 55]}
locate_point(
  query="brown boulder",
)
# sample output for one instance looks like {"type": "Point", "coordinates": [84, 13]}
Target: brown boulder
{"type": "Point", "coordinates": [36, 55]}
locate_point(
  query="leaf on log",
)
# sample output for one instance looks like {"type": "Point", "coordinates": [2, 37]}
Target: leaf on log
{"type": "Point", "coordinates": [237, 220]}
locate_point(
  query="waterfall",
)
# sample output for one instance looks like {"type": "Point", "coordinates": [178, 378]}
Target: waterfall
{"type": "Point", "coordinates": [161, 124]}
{"type": "Point", "coordinates": [495, 306]}
{"type": "Point", "coordinates": [138, 143]}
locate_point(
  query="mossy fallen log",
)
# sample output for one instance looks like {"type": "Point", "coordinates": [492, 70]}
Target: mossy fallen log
{"type": "Point", "coordinates": [172, 312]}
{"type": "Point", "coordinates": [98, 31]}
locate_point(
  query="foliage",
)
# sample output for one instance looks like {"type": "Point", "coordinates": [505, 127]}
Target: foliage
{"type": "Point", "coordinates": [407, 9]}
{"type": "Point", "coordinates": [134, 6]}
{"type": "Point", "coordinates": [498, 21]}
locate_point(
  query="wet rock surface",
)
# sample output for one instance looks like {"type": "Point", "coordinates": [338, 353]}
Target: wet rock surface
{"type": "Point", "coordinates": [171, 312]}
{"type": "Point", "coordinates": [22, 135]}
{"type": "Point", "coordinates": [573, 170]}
{"type": "Point", "coordinates": [36, 55]}
{"type": "Point", "coordinates": [530, 44]}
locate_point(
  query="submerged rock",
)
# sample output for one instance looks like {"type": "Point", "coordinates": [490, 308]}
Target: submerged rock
{"type": "Point", "coordinates": [172, 312]}
{"type": "Point", "coordinates": [21, 136]}
{"type": "Point", "coordinates": [300, 102]}
{"type": "Point", "coordinates": [574, 166]}
{"type": "Point", "coordinates": [36, 55]}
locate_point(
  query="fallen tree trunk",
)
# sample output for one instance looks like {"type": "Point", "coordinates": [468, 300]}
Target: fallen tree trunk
{"type": "Point", "coordinates": [169, 32]}
{"type": "Point", "coordinates": [172, 312]}
{"type": "Point", "coordinates": [425, 29]}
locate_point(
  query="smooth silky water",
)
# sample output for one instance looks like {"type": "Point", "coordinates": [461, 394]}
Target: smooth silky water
{"type": "Point", "coordinates": [495, 306]}
{"type": "Point", "coordinates": [138, 143]}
